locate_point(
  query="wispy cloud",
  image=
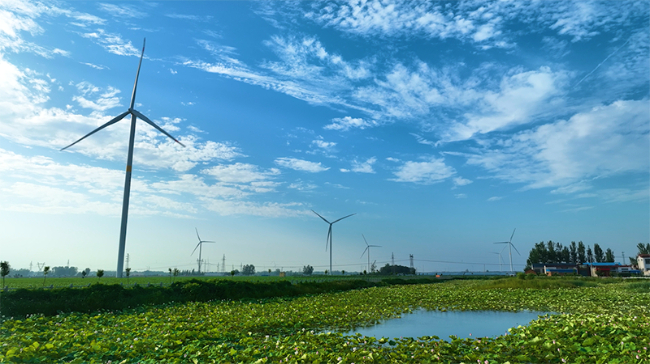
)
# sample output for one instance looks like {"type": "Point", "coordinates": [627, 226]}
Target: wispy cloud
{"type": "Point", "coordinates": [494, 198]}
{"type": "Point", "coordinates": [113, 43]}
{"type": "Point", "coordinates": [301, 165]}
{"type": "Point", "coordinates": [428, 171]}
{"type": "Point", "coordinates": [346, 123]}
{"type": "Point", "coordinates": [604, 141]}
{"type": "Point", "coordinates": [122, 10]}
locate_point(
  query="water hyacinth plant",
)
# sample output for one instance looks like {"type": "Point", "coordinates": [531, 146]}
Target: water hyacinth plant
{"type": "Point", "coordinates": [602, 324]}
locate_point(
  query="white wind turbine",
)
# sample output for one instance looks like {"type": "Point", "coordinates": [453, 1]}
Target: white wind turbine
{"type": "Point", "coordinates": [510, 246]}
{"type": "Point", "coordinates": [368, 249]}
{"type": "Point", "coordinates": [329, 234]}
{"type": "Point", "coordinates": [500, 260]}
{"type": "Point", "coordinates": [200, 247]}
{"type": "Point", "coordinates": [129, 161]}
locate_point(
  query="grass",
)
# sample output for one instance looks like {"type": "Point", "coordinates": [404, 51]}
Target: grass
{"type": "Point", "coordinates": [37, 282]}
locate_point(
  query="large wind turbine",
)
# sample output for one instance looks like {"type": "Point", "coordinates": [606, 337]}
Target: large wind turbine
{"type": "Point", "coordinates": [368, 249]}
{"type": "Point", "coordinates": [329, 234]}
{"type": "Point", "coordinates": [200, 246]}
{"type": "Point", "coordinates": [510, 246]}
{"type": "Point", "coordinates": [129, 161]}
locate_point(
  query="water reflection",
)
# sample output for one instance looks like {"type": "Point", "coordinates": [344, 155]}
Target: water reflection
{"type": "Point", "coordinates": [464, 324]}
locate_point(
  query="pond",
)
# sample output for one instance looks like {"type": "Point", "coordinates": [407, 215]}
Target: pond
{"type": "Point", "coordinates": [464, 324]}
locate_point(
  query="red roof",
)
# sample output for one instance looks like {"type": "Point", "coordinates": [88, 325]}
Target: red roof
{"type": "Point", "coordinates": [644, 255]}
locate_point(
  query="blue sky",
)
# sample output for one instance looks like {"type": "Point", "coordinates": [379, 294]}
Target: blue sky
{"type": "Point", "coordinates": [442, 125]}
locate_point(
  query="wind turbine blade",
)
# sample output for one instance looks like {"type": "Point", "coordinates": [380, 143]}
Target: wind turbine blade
{"type": "Point", "coordinates": [513, 234]}
{"type": "Point", "coordinates": [503, 242]}
{"type": "Point", "coordinates": [375, 246]}
{"type": "Point", "coordinates": [364, 252]}
{"type": "Point", "coordinates": [207, 241]}
{"type": "Point", "coordinates": [137, 75]}
{"type": "Point", "coordinates": [364, 239]}
{"type": "Point", "coordinates": [345, 217]}
{"type": "Point", "coordinates": [329, 233]}
{"type": "Point", "coordinates": [146, 120]}
{"type": "Point", "coordinates": [197, 234]}
{"type": "Point", "coordinates": [324, 219]}
{"type": "Point", "coordinates": [197, 246]}
{"type": "Point", "coordinates": [515, 248]}
{"type": "Point", "coordinates": [111, 122]}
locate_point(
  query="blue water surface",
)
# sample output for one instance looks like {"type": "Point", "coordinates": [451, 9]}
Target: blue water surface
{"type": "Point", "coordinates": [464, 324]}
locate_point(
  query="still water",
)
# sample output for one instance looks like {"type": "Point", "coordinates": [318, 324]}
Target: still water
{"type": "Point", "coordinates": [464, 324]}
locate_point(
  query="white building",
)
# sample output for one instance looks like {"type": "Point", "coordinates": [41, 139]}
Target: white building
{"type": "Point", "coordinates": [643, 261]}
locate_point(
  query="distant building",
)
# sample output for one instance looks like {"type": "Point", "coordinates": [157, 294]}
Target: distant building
{"type": "Point", "coordinates": [643, 262]}
{"type": "Point", "coordinates": [589, 269]}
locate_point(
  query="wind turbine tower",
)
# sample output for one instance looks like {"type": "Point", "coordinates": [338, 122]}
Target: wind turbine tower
{"type": "Point", "coordinates": [129, 161]}
{"type": "Point", "coordinates": [200, 247]}
{"type": "Point", "coordinates": [329, 234]}
{"type": "Point", "coordinates": [510, 246]}
{"type": "Point", "coordinates": [368, 249]}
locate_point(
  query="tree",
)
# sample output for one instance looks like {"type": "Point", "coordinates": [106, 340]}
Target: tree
{"type": "Point", "coordinates": [397, 269]}
{"type": "Point", "coordinates": [46, 271]}
{"type": "Point", "coordinates": [598, 254]}
{"type": "Point", "coordinates": [84, 274]}
{"type": "Point", "coordinates": [550, 248]}
{"type": "Point", "coordinates": [573, 252]}
{"type": "Point", "coordinates": [582, 258]}
{"type": "Point", "coordinates": [609, 256]}
{"type": "Point", "coordinates": [643, 249]}
{"type": "Point", "coordinates": [343, 272]}
{"type": "Point", "coordinates": [128, 273]}
{"type": "Point", "coordinates": [232, 273]}
{"type": "Point", "coordinates": [100, 273]}
{"type": "Point", "coordinates": [4, 271]}
{"type": "Point", "coordinates": [326, 271]}
{"type": "Point", "coordinates": [566, 255]}
{"type": "Point", "coordinates": [248, 270]}
{"type": "Point", "coordinates": [307, 270]}
{"type": "Point", "coordinates": [373, 267]}
{"type": "Point", "coordinates": [590, 255]}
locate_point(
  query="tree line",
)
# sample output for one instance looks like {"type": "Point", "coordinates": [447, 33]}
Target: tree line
{"type": "Point", "coordinates": [555, 252]}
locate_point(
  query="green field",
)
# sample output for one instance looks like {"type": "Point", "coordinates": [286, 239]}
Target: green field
{"type": "Point", "coordinates": [607, 323]}
{"type": "Point", "coordinates": [37, 282]}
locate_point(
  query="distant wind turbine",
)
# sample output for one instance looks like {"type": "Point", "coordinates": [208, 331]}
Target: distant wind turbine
{"type": "Point", "coordinates": [510, 246]}
{"type": "Point", "coordinates": [129, 161]}
{"type": "Point", "coordinates": [200, 247]}
{"type": "Point", "coordinates": [500, 260]}
{"type": "Point", "coordinates": [329, 234]}
{"type": "Point", "coordinates": [368, 249]}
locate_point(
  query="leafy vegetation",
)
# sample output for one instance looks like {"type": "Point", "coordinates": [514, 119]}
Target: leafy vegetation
{"type": "Point", "coordinates": [97, 297]}
{"type": "Point", "coordinates": [602, 324]}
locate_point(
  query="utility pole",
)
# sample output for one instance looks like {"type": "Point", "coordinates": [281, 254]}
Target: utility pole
{"type": "Point", "coordinates": [223, 264]}
{"type": "Point", "coordinates": [411, 259]}
{"type": "Point", "coordinates": [30, 266]}
{"type": "Point", "coordinates": [392, 259]}
{"type": "Point", "coordinates": [127, 261]}
{"type": "Point", "coordinates": [623, 254]}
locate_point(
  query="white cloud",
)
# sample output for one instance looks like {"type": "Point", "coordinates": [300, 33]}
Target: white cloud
{"type": "Point", "coordinates": [430, 170]}
{"type": "Point", "coordinates": [300, 165]}
{"type": "Point", "coordinates": [460, 181]}
{"type": "Point", "coordinates": [608, 140]}
{"type": "Point", "coordinates": [363, 167]}
{"type": "Point", "coordinates": [113, 43]}
{"type": "Point", "coordinates": [122, 11]}
{"type": "Point", "coordinates": [95, 66]}
{"type": "Point", "coordinates": [460, 195]}
{"type": "Point", "coordinates": [240, 173]}
{"type": "Point", "coordinates": [347, 123]}
{"type": "Point", "coordinates": [302, 186]}
{"type": "Point", "coordinates": [494, 198]}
